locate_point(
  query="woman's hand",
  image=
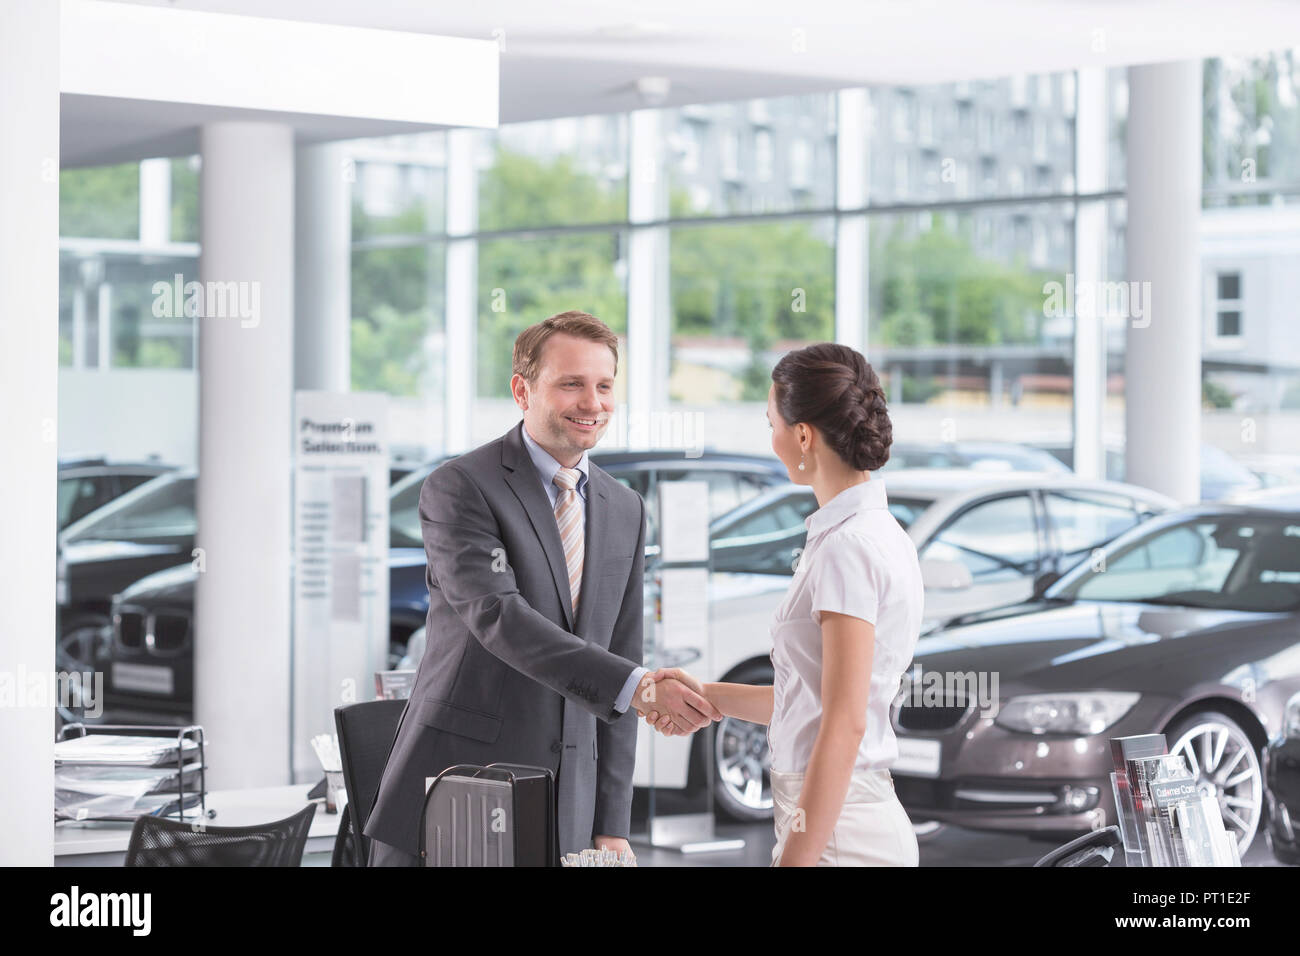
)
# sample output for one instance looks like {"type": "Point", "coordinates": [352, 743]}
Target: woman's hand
{"type": "Point", "coordinates": [664, 723]}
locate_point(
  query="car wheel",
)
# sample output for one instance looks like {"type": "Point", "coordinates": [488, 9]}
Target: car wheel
{"type": "Point", "coordinates": [76, 652]}
{"type": "Point", "coordinates": [1226, 765]}
{"type": "Point", "coordinates": [742, 765]}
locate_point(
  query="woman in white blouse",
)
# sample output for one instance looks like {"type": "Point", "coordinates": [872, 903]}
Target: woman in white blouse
{"type": "Point", "coordinates": [846, 631]}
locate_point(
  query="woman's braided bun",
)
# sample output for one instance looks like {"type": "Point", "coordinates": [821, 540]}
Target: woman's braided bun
{"type": "Point", "coordinates": [835, 389]}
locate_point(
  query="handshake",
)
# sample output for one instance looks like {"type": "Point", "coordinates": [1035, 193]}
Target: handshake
{"type": "Point", "coordinates": [674, 703]}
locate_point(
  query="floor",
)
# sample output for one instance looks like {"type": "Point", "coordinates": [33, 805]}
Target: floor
{"type": "Point", "coordinates": [951, 846]}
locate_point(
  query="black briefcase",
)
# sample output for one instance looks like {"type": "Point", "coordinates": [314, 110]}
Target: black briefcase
{"type": "Point", "coordinates": [498, 815]}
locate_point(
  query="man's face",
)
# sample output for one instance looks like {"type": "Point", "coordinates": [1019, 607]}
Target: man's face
{"type": "Point", "coordinates": [568, 408]}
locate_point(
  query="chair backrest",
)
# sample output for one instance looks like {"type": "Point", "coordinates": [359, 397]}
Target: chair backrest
{"type": "Point", "coordinates": [366, 734]}
{"type": "Point", "coordinates": [345, 842]}
{"type": "Point", "coordinates": [158, 841]}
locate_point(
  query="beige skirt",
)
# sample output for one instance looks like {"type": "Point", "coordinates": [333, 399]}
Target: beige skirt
{"type": "Point", "coordinates": [872, 830]}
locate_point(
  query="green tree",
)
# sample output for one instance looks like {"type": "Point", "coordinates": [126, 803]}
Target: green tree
{"type": "Point", "coordinates": [396, 293]}
{"type": "Point", "coordinates": [522, 280]}
{"type": "Point", "coordinates": [102, 202]}
{"type": "Point", "coordinates": [519, 191]}
{"type": "Point", "coordinates": [933, 288]}
{"type": "Point", "coordinates": [761, 283]}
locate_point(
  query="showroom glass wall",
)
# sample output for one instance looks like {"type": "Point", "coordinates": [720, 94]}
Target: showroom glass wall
{"type": "Point", "coordinates": [1250, 248]}
{"type": "Point", "coordinates": [1250, 240]}
{"type": "Point", "coordinates": [968, 206]}
{"type": "Point", "coordinates": [127, 386]}
{"type": "Point", "coordinates": [716, 237]}
{"type": "Point", "coordinates": [122, 228]}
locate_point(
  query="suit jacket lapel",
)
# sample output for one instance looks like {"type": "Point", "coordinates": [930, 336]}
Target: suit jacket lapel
{"type": "Point", "coordinates": [521, 476]}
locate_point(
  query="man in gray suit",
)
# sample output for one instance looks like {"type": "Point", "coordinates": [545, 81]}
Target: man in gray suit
{"type": "Point", "coordinates": [533, 647]}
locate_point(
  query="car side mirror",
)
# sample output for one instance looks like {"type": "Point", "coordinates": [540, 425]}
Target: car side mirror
{"type": "Point", "coordinates": [945, 575]}
{"type": "Point", "coordinates": [1045, 581]}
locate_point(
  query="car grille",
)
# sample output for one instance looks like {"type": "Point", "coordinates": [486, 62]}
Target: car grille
{"type": "Point", "coordinates": [932, 718]}
{"type": "Point", "coordinates": [130, 631]}
{"type": "Point", "coordinates": [170, 632]}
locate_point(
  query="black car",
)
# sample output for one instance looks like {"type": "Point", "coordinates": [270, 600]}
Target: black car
{"type": "Point", "coordinates": [1188, 625]}
{"type": "Point", "coordinates": [87, 484]}
{"type": "Point", "coordinates": [147, 653]}
{"type": "Point", "coordinates": [1282, 786]}
{"type": "Point", "coordinates": [145, 530]}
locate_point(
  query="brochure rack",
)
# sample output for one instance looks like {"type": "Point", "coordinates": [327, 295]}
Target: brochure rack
{"type": "Point", "coordinates": [1164, 818]}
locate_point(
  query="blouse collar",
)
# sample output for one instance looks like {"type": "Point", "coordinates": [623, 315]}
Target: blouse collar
{"type": "Point", "coordinates": [861, 497]}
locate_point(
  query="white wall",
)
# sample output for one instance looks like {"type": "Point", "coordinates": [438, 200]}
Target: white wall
{"type": "Point", "coordinates": [29, 337]}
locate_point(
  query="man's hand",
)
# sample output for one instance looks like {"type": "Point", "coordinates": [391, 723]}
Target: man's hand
{"type": "Point", "coordinates": [678, 708]}
{"type": "Point", "coordinates": [663, 718]}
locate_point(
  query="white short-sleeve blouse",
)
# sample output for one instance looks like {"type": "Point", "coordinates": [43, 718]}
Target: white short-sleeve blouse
{"type": "Point", "coordinates": [857, 561]}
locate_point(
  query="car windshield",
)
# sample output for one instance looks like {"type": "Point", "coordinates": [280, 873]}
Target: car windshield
{"type": "Point", "coordinates": [1234, 561]}
{"type": "Point", "coordinates": [162, 508]}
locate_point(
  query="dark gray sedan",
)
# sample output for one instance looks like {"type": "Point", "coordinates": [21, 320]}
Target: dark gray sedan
{"type": "Point", "coordinates": [1188, 625]}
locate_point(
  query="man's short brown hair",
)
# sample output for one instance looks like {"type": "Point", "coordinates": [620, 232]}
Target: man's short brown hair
{"type": "Point", "coordinates": [528, 346]}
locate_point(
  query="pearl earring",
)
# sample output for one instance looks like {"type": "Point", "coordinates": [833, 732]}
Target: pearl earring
{"type": "Point", "coordinates": [801, 465]}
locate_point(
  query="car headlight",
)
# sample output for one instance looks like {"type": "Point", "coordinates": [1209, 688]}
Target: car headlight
{"type": "Point", "coordinates": [1082, 713]}
{"type": "Point", "coordinates": [1291, 719]}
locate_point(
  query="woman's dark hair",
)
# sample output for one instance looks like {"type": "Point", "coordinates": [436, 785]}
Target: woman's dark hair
{"type": "Point", "coordinates": [834, 388]}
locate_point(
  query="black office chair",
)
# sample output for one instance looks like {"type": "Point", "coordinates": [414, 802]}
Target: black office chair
{"type": "Point", "coordinates": [158, 841]}
{"type": "Point", "coordinates": [366, 734]}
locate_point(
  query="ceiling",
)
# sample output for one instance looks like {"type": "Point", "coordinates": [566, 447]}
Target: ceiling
{"type": "Point", "coordinates": [574, 57]}
{"type": "Point", "coordinates": [571, 57]}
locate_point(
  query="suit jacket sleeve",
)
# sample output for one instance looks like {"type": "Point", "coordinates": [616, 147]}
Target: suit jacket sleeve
{"type": "Point", "coordinates": [616, 741]}
{"type": "Point", "coordinates": [466, 556]}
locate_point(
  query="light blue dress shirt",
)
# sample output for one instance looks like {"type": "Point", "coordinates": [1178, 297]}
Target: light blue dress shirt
{"type": "Point", "coordinates": [547, 467]}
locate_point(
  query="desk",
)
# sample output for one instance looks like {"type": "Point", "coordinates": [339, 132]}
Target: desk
{"type": "Point", "coordinates": [104, 844]}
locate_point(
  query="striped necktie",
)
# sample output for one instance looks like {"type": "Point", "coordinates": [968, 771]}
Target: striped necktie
{"type": "Point", "coordinates": [568, 517]}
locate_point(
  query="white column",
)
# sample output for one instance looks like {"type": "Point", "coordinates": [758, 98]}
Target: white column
{"type": "Point", "coordinates": [1091, 143]}
{"type": "Point", "coordinates": [649, 317]}
{"type": "Point", "coordinates": [323, 269]}
{"type": "Point", "coordinates": [29, 374]}
{"type": "Point", "coordinates": [242, 601]}
{"type": "Point", "coordinates": [1162, 377]}
{"type": "Point", "coordinates": [155, 202]}
{"type": "Point", "coordinates": [461, 320]}
{"type": "Point", "coordinates": [851, 229]}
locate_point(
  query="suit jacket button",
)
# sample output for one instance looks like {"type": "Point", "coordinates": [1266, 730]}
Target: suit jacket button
{"type": "Point", "coordinates": [556, 746]}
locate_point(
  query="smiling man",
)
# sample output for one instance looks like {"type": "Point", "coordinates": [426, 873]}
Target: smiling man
{"type": "Point", "coordinates": [535, 561]}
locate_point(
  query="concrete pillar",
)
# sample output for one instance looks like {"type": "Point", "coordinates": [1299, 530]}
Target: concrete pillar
{"type": "Point", "coordinates": [649, 310]}
{"type": "Point", "coordinates": [323, 269]}
{"type": "Point", "coordinates": [242, 601]}
{"type": "Point", "coordinates": [1092, 144]}
{"type": "Point", "coordinates": [29, 375]}
{"type": "Point", "coordinates": [1162, 377]}
{"type": "Point", "coordinates": [155, 202]}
